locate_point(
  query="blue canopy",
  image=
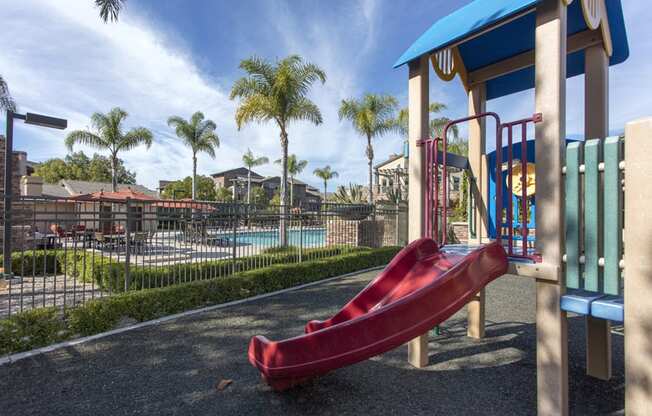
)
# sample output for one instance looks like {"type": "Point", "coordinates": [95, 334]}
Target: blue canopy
{"type": "Point", "coordinates": [509, 39]}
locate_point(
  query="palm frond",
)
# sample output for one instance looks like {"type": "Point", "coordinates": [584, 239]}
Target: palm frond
{"type": "Point", "coordinates": [248, 86]}
{"type": "Point", "coordinates": [257, 108]}
{"type": "Point", "coordinates": [304, 109]}
{"type": "Point", "coordinates": [196, 119]}
{"type": "Point", "coordinates": [86, 138]}
{"type": "Point", "coordinates": [6, 102]}
{"type": "Point", "coordinates": [109, 9]}
{"type": "Point", "coordinates": [135, 137]}
{"type": "Point", "coordinates": [258, 68]}
{"type": "Point", "coordinates": [205, 147]}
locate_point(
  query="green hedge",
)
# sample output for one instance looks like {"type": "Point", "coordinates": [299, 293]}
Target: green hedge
{"type": "Point", "coordinates": [41, 327]}
{"type": "Point", "coordinates": [109, 274]}
{"type": "Point", "coordinates": [36, 262]}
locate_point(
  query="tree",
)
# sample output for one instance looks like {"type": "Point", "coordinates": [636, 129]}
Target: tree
{"type": "Point", "coordinates": [326, 174]}
{"type": "Point", "coordinates": [295, 167]}
{"type": "Point", "coordinates": [109, 136]}
{"type": "Point", "coordinates": [183, 189]}
{"type": "Point", "coordinates": [372, 116]}
{"type": "Point", "coordinates": [109, 9]}
{"type": "Point", "coordinates": [6, 102]}
{"type": "Point", "coordinates": [277, 92]}
{"type": "Point", "coordinates": [199, 135]}
{"type": "Point", "coordinates": [78, 166]}
{"type": "Point", "coordinates": [259, 196]}
{"type": "Point", "coordinates": [251, 162]}
{"type": "Point", "coordinates": [223, 195]}
{"type": "Point", "coordinates": [436, 125]}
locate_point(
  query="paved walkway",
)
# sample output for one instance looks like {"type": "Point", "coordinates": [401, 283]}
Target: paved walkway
{"type": "Point", "coordinates": [173, 369]}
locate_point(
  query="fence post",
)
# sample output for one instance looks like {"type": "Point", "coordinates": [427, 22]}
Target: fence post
{"type": "Point", "coordinates": [128, 245]}
{"type": "Point", "coordinates": [300, 237]}
{"type": "Point", "coordinates": [396, 222]}
{"type": "Point", "coordinates": [235, 233]}
{"type": "Point", "coordinates": [7, 196]}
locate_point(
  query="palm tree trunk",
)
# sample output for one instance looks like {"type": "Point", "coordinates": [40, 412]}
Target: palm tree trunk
{"type": "Point", "coordinates": [370, 156]}
{"type": "Point", "coordinates": [114, 175]}
{"type": "Point", "coordinates": [291, 190]}
{"type": "Point", "coordinates": [248, 185]}
{"type": "Point", "coordinates": [283, 241]}
{"type": "Point", "coordinates": [325, 193]}
{"type": "Point", "coordinates": [194, 175]}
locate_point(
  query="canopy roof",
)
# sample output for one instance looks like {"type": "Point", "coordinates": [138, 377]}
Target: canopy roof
{"type": "Point", "coordinates": [119, 196]}
{"type": "Point", "coordinates": [512, 24]}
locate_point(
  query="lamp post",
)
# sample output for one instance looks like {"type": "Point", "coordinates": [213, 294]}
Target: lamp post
{"type": "Point", "coordinates": [28, 118]}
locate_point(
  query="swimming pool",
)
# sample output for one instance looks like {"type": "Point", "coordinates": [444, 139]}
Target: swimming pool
{"type": "Point", "coordinates": [307, 238]}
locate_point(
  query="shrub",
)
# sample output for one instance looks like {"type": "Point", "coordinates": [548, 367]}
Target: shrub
{"type": "Point", "coordinates": [31, 329]}
{"type": "Point", "coordinates": [35, 262]}
{"type": "Point", "coordinates": [36, 328]}
{"type": "Point", "coordinates": [109, 274]}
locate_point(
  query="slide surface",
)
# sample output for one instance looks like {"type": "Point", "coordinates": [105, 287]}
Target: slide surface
{"type": "Point", "coordinates": [419, 289]}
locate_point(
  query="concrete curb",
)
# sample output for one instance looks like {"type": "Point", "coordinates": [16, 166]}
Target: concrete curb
{"type": "Point", "coordinates": [8, 359]}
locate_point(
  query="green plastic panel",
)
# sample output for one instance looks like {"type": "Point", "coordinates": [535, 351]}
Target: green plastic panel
{"type": "Point", "coordinates": [592, 218]}
{"type": "Point", "coordinates": [572, 214]}
{"type": "Point", "coordinates": [613, 215]}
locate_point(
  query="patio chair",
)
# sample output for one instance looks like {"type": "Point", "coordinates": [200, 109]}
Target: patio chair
{"type": "Point", "coordinates": [102, 242]}
{"type": "Point", "coordinates": [58, 230]}
{"type": "Point", "coordinates": [139, 241]}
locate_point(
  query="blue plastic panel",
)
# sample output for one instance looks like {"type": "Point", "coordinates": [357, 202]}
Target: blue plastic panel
{"type": "Point", "coordinates": [610, 308]}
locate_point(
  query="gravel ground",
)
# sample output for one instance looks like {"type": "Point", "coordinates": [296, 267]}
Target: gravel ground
{"type": "Point", "coordinates": [173, 368]}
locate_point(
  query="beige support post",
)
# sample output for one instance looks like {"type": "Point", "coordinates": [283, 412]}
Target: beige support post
{"type": "Point", "coordinates": [417, 130]}
{"type": "Point", "coordinates": [550, 100]}
{"type": "Point", "coordinates": [638, 268]}
{"type": "Point", "coordinates": [475, 316]}
{"type": "Point", "coordinates": [477, 164]}
{"type": "Point", "coordinates": [480, 191]}
{"type": "Point", "coordinates": [596, 125]}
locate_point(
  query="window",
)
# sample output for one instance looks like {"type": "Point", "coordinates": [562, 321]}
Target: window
{"type": "Point", "coordinates": [456, 183]}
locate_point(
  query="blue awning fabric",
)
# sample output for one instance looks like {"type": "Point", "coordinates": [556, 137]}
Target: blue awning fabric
{"type": "Point", "coordinates": [509, 39]}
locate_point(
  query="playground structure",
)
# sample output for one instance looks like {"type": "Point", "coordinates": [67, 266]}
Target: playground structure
{"type": "Point", "coordinates": [497, 49]}
{"type": "Point", "coordinates": [579, 250]}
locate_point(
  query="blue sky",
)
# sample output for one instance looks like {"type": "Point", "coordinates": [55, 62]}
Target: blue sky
{"type": "Point", "coordinates": [175, 57]}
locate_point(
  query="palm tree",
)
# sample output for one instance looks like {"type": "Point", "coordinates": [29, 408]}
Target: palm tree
{"type": "Point", "coordinates": [251, 162]}
{"type": "Point", "coordinates": [109, 136]}
{"type": "Point", "coordinates": [372, 116]}
{"type": "Point", "coordinates": [199, 135]}
{"type": "Point", "coordinates": [6, 102]}
{"type": "Point", "coordinates": [277, 92]}
{"type": "Point", "coordinates": [110, 9]}
{"type": "Point", "coordinates": [326, 174]}
{"type": "Point", "coordinates": [295, 167]}
{"type": "Point", "coordinates": [436, 125]}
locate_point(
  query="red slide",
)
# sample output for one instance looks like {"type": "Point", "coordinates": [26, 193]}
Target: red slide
{"type": "Point", "coordinates": [418, 290]}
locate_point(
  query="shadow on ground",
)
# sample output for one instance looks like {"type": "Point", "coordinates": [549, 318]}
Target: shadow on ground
{"type": "Point", "coordinates": [174, 368]}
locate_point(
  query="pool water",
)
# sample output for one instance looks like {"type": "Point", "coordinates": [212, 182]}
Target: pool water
{"type": "Point", "coordinates": [306, 238]}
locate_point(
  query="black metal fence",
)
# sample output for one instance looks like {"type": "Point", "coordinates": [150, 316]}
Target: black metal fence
{"type": "Point", "coordinates": [65, 251]}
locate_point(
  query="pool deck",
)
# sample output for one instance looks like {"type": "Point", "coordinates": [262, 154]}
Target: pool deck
{"type": "Point", "coordinates": [173, 368]}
